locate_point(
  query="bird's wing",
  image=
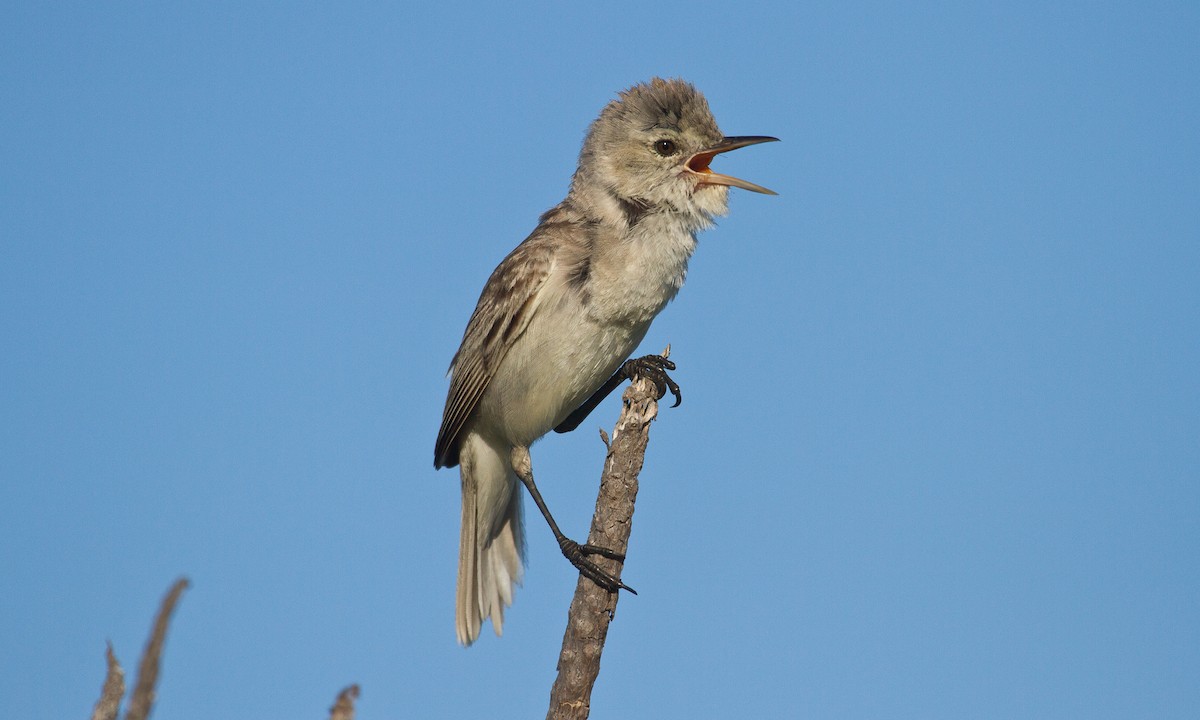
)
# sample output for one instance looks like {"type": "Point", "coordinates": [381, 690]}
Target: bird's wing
{"type": "Point", "coordinates": [508, 302]}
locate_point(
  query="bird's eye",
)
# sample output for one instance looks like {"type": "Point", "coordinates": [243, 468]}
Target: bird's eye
{"type": "Point", "coordinates": [664, 147]}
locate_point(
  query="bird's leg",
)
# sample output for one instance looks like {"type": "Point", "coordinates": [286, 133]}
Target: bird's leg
{"type": "Point", "coordinates": [572, 550]}
{"type": "Point", "coordinates": [652, 367]}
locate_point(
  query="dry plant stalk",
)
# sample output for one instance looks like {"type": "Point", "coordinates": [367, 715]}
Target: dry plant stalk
{"type": "Point", "coordinates": [113, 690]}
{"type": "Point", "coordinates": [142, 699]}
{"type": "Point", "coordinates": [343, 709]}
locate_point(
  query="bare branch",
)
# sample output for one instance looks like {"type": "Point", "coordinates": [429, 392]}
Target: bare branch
{"type": "Point", "coordinates": [593, 608]}
{"type": "Point", "coordinates": [109, 703]}
{"type": "Point", "coordinates": [142, 699]}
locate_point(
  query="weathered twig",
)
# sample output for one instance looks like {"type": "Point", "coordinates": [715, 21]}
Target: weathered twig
{"type": "Point", "coordinates": [593, 608]}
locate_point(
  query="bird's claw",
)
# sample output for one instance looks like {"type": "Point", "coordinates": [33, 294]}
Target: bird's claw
{"type": "Point", "coordinates": [577, 555]}
{"type": "Point", "coordinates": [654, 368]}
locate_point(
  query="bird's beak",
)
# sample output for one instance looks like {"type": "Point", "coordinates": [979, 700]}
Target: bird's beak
{"type": "Point", "coordinates": [698, 163]}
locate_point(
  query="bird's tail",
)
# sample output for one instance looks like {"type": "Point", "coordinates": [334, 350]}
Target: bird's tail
{"type": "Point", "coordinates": [491, 548]}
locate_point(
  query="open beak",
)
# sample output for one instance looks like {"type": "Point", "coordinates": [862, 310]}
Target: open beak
{"type": "Point", "coordinates": [698, 163]}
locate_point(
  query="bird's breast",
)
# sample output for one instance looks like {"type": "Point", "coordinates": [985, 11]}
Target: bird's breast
{"type": "Point", "coordinates": [633, 279]}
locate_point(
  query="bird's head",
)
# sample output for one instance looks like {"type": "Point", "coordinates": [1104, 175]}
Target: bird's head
{"type": "Point", "coordinates": [652, 146]}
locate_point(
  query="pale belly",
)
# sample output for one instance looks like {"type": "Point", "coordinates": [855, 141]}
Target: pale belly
{"type": "Point", "coordinates": [549, 372]}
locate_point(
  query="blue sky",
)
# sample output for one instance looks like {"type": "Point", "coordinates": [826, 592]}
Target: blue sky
{"type": "Point", "coordinates": [939, 450]}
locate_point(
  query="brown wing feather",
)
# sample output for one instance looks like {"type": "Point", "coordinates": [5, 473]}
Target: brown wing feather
{"type": "Point", "coordinates": [508, 302]}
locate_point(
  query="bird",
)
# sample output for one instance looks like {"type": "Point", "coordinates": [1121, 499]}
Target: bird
{"type": "Point", "coordinates": [558, 319]}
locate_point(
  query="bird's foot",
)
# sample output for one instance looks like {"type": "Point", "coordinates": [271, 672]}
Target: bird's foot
{"type": "Point", "coordinates": [577, 555]}
{"type": "Point", "coordinates": [654, 368]}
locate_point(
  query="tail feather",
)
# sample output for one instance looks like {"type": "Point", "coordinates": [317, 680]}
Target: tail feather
{"type": "Point", "coordinates": [491, 547]}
